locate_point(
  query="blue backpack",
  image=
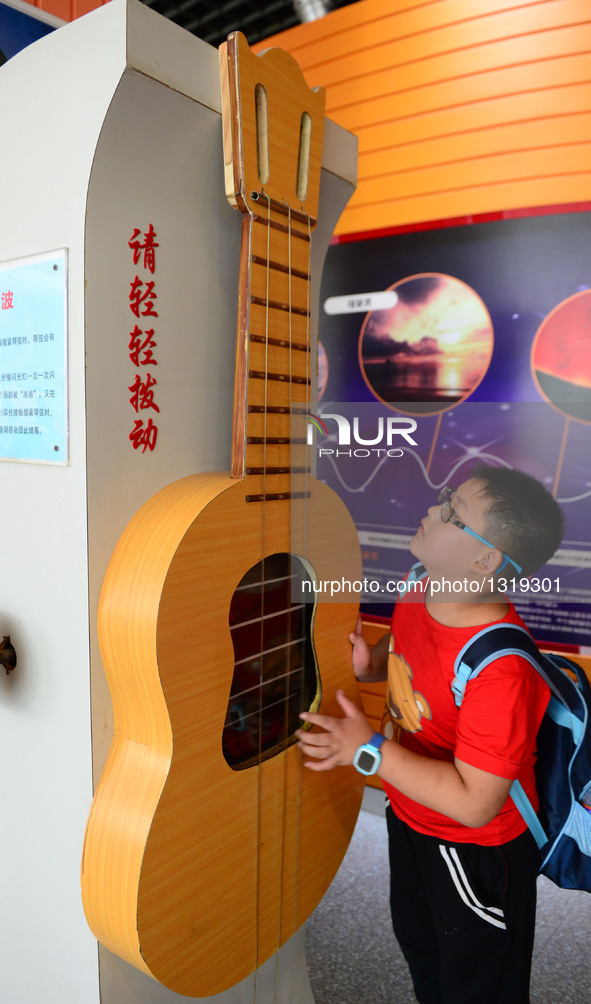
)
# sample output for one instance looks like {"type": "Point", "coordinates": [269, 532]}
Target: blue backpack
{"type": "Point", "coordinates": [562, 828]}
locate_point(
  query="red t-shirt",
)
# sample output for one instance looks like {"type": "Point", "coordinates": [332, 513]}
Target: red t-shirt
{"type": "Point", "coordinates": [494, 729]}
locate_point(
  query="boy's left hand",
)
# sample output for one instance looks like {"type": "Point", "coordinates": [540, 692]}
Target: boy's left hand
{"type": "Point", "coordinates": [337, 744]}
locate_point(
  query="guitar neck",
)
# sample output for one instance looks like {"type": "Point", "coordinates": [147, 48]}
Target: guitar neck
{"type": "Point", "coordinates": [273, 127]}
{"type": "Point", "coordinates": [274, 367]}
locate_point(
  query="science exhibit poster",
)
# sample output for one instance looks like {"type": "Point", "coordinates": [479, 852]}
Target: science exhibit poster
{"type": "Point", "coordinates": [443, 348]}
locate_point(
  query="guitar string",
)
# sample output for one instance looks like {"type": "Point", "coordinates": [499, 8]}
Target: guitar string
{"type": "Point", "coordinates": [296, 518]}
{"type": "Point", "coordinates": [262, 589]}
{"type": "Point", "coordinates": [305, 516]}
{"type": "Point", "coordinates": [289, 623]}
{"type": "Point", "coordinates": [261, 647]}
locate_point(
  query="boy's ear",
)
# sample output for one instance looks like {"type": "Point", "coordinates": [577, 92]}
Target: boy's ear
{"type": "Point", "coordinates": [488, 563]}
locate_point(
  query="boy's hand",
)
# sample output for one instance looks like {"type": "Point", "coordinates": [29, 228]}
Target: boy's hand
{"type": "Point", "coordinates": [337, 744]}
{"type": "Point", "coordinates": [361, 654]}
{"type": "Point", "coordinates": [370, 665]}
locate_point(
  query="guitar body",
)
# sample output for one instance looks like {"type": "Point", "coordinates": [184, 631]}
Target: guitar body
{"type": "Point", "coordinates": [193, 871]}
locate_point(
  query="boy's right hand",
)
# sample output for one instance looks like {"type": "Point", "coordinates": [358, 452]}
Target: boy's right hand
{"type": "Point", "coordinates": [361, 654]}
{"type": "Point", "coordinates": [369, 664]}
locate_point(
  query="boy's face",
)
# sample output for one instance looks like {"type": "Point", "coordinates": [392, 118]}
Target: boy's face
{"type": "Point", "coordinates": [445, 549]}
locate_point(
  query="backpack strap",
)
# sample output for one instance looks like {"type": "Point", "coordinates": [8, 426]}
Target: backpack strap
{"type": "Point", "coordinates": [417, 573]}
{"type": "Point", "coordinates": [528, 813]}
{"type": "Point", "coordinates": [496, 641]}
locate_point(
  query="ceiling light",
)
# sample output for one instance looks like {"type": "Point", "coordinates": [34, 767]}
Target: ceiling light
{"type": "Point", "coordinates": [310, 10]}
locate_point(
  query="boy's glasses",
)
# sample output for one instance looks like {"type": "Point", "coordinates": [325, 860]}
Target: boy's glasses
{"type": "Point", "coordinates": [449, 516]}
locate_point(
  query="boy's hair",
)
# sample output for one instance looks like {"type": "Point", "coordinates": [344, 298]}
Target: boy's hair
{"type": "Point", "coordinates": [522, 519]}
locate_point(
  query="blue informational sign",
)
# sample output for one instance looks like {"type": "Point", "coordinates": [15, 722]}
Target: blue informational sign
{"type": "Point", "coordinates": [33, 359]}
{"type": "Point", "coordinates": [18, 28]}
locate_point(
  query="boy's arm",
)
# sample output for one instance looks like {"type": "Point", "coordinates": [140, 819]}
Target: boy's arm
{"type": "Point", "coordinates": [467, 794]}
{"type": "Point", "coordinates": [370, 665]}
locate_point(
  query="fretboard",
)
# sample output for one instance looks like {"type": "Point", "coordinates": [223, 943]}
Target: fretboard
{"type": "Point", "coordinates": [274, 366]}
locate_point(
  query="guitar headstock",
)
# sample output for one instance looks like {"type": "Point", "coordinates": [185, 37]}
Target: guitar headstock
{"type": "Point", "coordinates": [273, 126]}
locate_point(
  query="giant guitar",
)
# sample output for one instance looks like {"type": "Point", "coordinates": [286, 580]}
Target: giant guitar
{"type": "Point", "coordinates": [208, 845]}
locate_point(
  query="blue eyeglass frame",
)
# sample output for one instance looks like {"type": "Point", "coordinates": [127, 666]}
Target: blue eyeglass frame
{"type": "Point", "coordinates": [444, 496]}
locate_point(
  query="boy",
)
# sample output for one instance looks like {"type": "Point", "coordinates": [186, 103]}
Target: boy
{"type": "Point", "coordinates": [463, 864]}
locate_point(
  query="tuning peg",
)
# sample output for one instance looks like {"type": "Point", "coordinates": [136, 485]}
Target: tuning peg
{"type": "Point", "coordinates": [7, 654]}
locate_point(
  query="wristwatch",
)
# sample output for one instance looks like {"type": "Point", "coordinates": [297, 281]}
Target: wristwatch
{"type": "Point", "coordinates": [368, 757]}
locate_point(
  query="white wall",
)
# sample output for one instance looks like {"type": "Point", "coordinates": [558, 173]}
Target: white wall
{"type": "Point", "coordinates": [53, 98]}
{"type": "Point", "coordinates": [113, 123]}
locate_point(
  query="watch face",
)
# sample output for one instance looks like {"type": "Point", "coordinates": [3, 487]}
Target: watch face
{"type": "Point", "coordinates": [366, 761]}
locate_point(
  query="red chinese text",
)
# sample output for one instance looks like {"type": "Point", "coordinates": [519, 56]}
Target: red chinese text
{"type": "Point", "coordinates": [148, 247]}
{"type": "Point", "coordinates": [142, 395]}
{"type": "Point", "coordinates": [139, 299]}
{"type": "Point", "coordinates": [144, 436]}
{"type": "Point", "coordinates": [142, 342]}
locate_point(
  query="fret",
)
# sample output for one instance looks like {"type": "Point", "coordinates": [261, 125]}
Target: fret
{"type": "Point", "coordinates": [279, 286]}
{"type": "Point", "coordinates": [301, 408]}
{"type": "Point", "coordinates": [281, 377]}
{"type": "Point", "coordinates": [259, 409]}
{"type": "Point", "coordinates": [274, 440]}
{"type": "Point", "coordinates": [280, 267]}
{"type": "Point", "coordinates": [273, 245]}
{"type": "Point", "coordinates": [276, 496]}
{"type": "Point", "coordinates": [269, 471]}
{"type": "Point", "coordinates": [282, 208]}
{"type": "Point", "coordinates": [294, 474]}
{"type": "Point", "coordinates": [272, 392]}
{"type": "Point", "coordinates": [275, 305]}
{"type": "Point", "coordinates": [288, 480]}
{"type": "Point", "coordinates": [281, 227]}
{"type": "Point", "coordinates": [281, 343]}
{"type": "Point", "coordinates": [272, 400]}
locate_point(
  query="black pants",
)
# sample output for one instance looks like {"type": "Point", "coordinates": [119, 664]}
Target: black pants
{"type": "Point", "coordinates": [464, 915]}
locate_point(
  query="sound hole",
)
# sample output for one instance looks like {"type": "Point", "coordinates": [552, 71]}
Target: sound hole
{"type": "Point", "coordinates": [275, 674]}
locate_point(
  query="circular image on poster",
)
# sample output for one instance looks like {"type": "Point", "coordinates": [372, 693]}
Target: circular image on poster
{"type": "Point", "coordinates": [561, 357]}
{"type": "Point", "coordinates": [322, 369]}
{"type": "Point", "coordinates": [431, 349]}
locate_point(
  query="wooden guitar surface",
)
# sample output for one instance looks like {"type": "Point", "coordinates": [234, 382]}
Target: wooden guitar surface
{"type": "Point", "coordinates": [187, 863]}
{"type": "Point", "coordinates": [199, 863]}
